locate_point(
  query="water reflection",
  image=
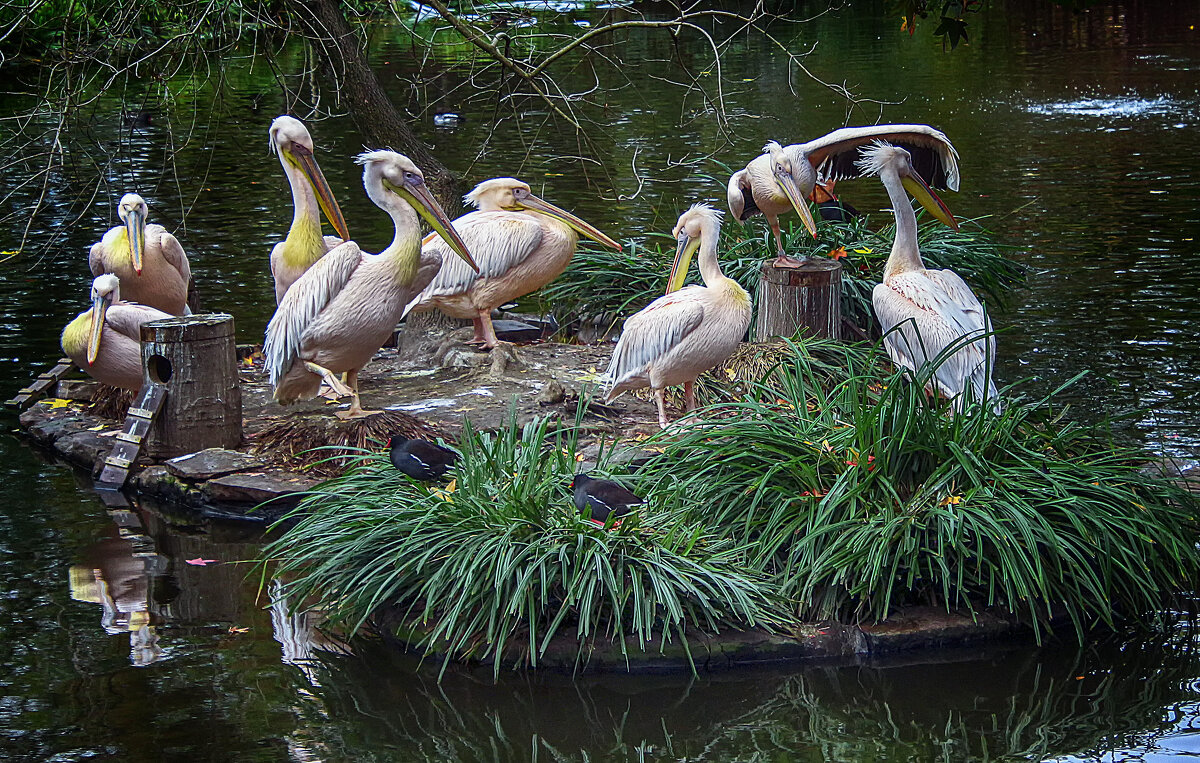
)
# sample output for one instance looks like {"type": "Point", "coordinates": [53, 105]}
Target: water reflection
{"type": "Point", "coordinates": [118, 574]}
{"type": "Point", "coordinates": [998, 704]}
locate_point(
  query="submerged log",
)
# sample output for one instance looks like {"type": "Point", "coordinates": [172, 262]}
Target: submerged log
{"type": "Point", "coordinates": [195, 358]}
{"type": "Point", "coordinates": [799, 294]}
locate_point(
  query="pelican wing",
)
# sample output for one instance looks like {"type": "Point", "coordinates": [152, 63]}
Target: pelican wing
{"type": "Point", "coordinates": [960, 293]}
{"type": "Point", "coordinates": [304, 301]}
{"type": "Point", "coordinates": [921, 319]}
{"type": "Point", "coordinates": [332, 242]}
{"type": "Point", "coordinates": [126, 318]}
{"type": "Point", "coordinates": [96, 258]}
{"type": "Point", "coordinates": [499, 241]}
{"type": "Point", "coordinates": [740, 197]}
{"type": "Point", "coordinates": [834, 155]}
{"type": "Point", "coordinates": [172, 251]}
{"type": "Point", "coordinates": [653, 332]}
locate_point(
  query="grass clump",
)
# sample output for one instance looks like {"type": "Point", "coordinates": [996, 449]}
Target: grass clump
{"type": "Point", "coordinates": [600, 283]}
{"type": "Point", "coordinates": [497, 567]}
{"type": "Point", "coordinates": [858, 498]}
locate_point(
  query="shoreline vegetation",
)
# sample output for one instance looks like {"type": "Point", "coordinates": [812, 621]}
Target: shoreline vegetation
{"type": "Point", "coordinates": [828, 490]}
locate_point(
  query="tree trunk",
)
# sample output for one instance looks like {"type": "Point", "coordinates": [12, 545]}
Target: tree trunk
{"type": "Point", "coordinates": [352, 84]}
{"type": "Point", "coordinates": [195, 358]}
{"type": "Point", "coordinates": [799, 294]}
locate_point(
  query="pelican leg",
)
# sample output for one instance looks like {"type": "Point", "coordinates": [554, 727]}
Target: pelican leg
{"type": "Point", "coordinates": [689, 396]}
{"type": "Point", "coordinates": [356, 410]}
{"type": "Point", "coordinates": [478, 338]}
{"type": "Point", "coordinates": [774, 221]}
{"type": "Point", "coordinates": [660, 397]}
{"type": "Point", "coordinates": [489, 332]}
{"type": "Point", "coordinates": [329, 378]}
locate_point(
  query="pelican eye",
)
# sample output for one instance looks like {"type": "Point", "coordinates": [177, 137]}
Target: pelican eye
{"type": "Point", "coordinates": [413, 178]}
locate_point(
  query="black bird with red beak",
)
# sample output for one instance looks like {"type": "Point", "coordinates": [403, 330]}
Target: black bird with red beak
{"type": "Point", "coordinates": [421, 460]}
{"type": "Point", "coordinates": [605, 498]}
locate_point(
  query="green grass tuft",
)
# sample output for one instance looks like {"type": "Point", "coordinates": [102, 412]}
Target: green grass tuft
{"type": "Point", "coordinates": [498, 568]}
{"type": "Point", "coordinates": [858, 497]}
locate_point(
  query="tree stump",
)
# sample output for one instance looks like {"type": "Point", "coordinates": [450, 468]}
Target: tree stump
{"type": "Point", "coordinates": [795, 294]}
{"type": "Point", "coordinates": [195, 358]}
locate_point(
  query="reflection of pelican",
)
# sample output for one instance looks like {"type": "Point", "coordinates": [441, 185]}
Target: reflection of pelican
{"type": "Point", "coordinates": [756, 189]}
{"type": "Point", "coordinates": [121, 583]}
{"type": "Point", "coordinates": [342, 310]}
{"type": "Point", "coordinates": [106, 340]}
{"type": "Point", "coordinates": [925, 312]}
{"type": "Point", "coordinates": [152, 266]}
{"type": "Point", "coordinates": [679, 336]}
{"type": "Point", "coordinates": [522, 242]}
{"type": "Point", "coordinates": [304, 244]}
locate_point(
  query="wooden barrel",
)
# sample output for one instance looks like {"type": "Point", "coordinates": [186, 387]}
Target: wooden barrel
{"type": "Point", "coordinates": [799, 294]}
{"type": "Point", "coordinates": [195, 358]}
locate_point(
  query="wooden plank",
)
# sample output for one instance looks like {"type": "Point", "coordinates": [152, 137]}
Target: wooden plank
{"type": "Point", "coordinates": [40, 385]}
{"type": "Point", "coordinates": [128, 443]}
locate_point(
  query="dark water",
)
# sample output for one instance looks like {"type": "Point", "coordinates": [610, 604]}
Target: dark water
{"type": "Point", "coordinates": [1077, 136]}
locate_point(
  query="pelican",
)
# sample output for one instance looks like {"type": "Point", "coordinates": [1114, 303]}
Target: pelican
{"type": "Point", "coordinates": [106, 340]}
{"type": "Point", "coordinates": [924, 313]}
{"type": "Point", "coordinates": [681, 335]}
{"type": "Point", "coordinates": [304, 244]}
{"type": "Point", "coordinates": [152, 266]}
{"type": "Point", "coordinates": [761, 186]}
{"type": "Point", "coordinates": [344, 307]}
{"type": "Point", "coordinates": [523, 243]}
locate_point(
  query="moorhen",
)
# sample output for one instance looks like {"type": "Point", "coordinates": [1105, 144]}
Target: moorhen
{"type": "Point", "coordinates": [604, 496]}
{"type": "Point", "coordinates": [420, 459]}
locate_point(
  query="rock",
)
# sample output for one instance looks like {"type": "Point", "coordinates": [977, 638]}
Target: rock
{"type": "Point", "coordinates": [255, 487]}
{"type": "Point", "coordinates": [45, 428]}
{"type": "Point", "coordinates": [516, 331]}
{"type": "Point", "coordinates": [77, 389]}
{"type": "Point", "coordinates": [84, 449]}
{"type": "Point", "coordinates": [552, 393]}
{"type": "Point", "coordinates": [213, 462]}
{"type": "Point", "coordinates": [458, 356]}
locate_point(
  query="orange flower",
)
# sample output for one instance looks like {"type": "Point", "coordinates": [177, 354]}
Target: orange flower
{"type": "Point", "coordinates": [838, 254]}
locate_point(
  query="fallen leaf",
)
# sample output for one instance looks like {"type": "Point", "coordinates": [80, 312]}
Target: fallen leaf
{"type": "Point", "coordinates": [199, 562]}
{"type": "Point", "coordinates": [950, 500]}
{"type": "Point", "coordinates": [55, 402]}
{"type": "Point", "coordinates": [235, 629]}
{"type": "Point", "coordinates": [864, 250]}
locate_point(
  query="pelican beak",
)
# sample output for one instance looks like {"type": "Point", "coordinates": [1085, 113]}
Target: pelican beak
{"type": "Point", "coordinates": [99, 308]}
{"type": "Point", "coordinates": [304, 159]}
{"type": "Point", "coordinates": [583, 228]}
{"type": "Point", "coordinates": [419, 198]}
{"type": "Point", "coordinates": [788, 184]}
{"type": "Point", "coordinates": [920, 190]}
{"type": "Point", "coordinates": [135, 227]}
{"type": "Point", "coordinates": [684, 251]}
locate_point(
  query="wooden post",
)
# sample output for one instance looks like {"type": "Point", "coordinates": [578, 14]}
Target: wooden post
{"type": "Point", "coordinates": [795, 294]}
{"type": "Point", "coordinates": [195, 358]}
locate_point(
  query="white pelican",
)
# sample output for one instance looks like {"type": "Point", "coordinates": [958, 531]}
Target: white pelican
{"type": "Point", "coordinates": [681, 335]}
{"type": "Point", "coordinates": [760, 188]}
{"type": "Point", "coordinates": [923, 312]}
{"type": "Point", "coordinates": [522, 242]}
{"type": "Point", "coordinates": [304, 244]}
{"type": "Point", "coordinates": [344, 307]}
{"type": "Point", "coordinates": [106, 340]}
{"type": "Point", "coordinates": [152, 266]}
